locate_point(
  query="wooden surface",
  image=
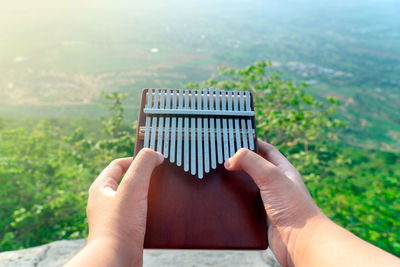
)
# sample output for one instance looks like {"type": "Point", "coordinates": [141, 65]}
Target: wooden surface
{"type": "Point", "coordinates": [221, 211]}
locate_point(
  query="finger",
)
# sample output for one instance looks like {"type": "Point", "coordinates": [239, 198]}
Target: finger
{"type": "Point", "coordinates": [261, 170]}
{"type": "Point", "coordinates": [112, 174]}
{"type": "Point", "coordinates": [136, 181]}
{"type": "Point", "coordinates": [272, 154]}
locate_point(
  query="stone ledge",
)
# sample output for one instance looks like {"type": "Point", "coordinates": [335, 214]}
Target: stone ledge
{"type": "Point", "coordinates": [59, 252]}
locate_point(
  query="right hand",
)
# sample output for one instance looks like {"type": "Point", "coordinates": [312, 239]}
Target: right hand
{"type": "Point", "coordinates": [288, 204]}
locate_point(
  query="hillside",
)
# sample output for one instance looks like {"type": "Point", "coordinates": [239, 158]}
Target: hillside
{"type": "Point", "coordinates": [47, 165]}
{"type": "Point", "coordinates": [57, 57]}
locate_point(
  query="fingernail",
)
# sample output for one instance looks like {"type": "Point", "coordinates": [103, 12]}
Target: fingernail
{"type": "Point", "coordinates": [161, 157]}
{"type": "Point", "coordinates": [227, 163]}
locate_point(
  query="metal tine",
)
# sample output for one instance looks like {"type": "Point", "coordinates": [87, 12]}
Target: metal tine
{"type": "Point", "coordinates": [167, 124]}
{"type": "Point", "coordinates": [206, 138]}
{"type": "Point", "coordinates": [179, 150]}
{"type": "Point", "coordinates": [249, 123]}
{"type": "Point", "coordinates": [230, 123]}
{"type": "Point", "coordinates": [173, 129]}
{"type": "Point", "coordinates": [212, 131]}
{"type": "Point", "coordinates": [161, 123]}
{"type": "Point", "coordinates": [243, 121]}
{"type": "Point", "coordinates": [154, 125]}
{"type": "Point", "coordinates": [148, 118]}
{"type": "Point", "coordinates": [218, 126]}
{"type": "Point", "coordinates": [193, 134]}
{"type": "Point", "coordinates": [186, 136]}
{"type": "Point", "coordinates": [224, 126]}
{"type": "Point", "coordinates": [199, 137]}
{"type": "Point", "coordinates": [237, 125]}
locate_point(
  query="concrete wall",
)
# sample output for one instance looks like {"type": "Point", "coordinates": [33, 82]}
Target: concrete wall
{"type": "Point", "coordinates": [57, 253]}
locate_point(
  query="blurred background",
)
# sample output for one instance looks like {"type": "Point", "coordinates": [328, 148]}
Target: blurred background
{"type": "Point", "coordinates": [71, 73]}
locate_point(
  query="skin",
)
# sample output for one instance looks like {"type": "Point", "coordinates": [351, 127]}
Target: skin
{"type": "Point", "coordinates": [117, 213]}
{"type": "Point", "coordinates": [299, 233]}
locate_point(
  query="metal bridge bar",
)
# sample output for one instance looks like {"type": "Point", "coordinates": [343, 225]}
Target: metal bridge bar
{"type": "Point", "coordinates": [155, 111]}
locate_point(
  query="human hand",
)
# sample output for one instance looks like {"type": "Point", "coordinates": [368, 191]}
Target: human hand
{"type": "Point", "coordinates": [288, 204]}
{"type": "Point", "coordinates": [298, 232]}
{"type": "Point", "coordinates": [117, 213]}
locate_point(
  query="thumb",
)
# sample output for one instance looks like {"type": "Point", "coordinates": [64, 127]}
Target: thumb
{"type": "Point", "coordinates": [135, 184]}
{"type": "Point", "coordinates": [261, 170]}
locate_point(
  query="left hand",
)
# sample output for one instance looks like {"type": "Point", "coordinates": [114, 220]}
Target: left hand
{"type": "Point", "coordinates": [117, 213]}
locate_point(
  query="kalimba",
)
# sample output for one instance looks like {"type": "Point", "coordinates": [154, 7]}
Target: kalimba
{"type": "Point", "coordinates": [194, 202]}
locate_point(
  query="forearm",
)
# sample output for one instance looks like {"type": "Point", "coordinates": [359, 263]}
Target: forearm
{"type": "Point", "coordinates": [324, 243]}
{"type": "Point", "coordinates": [106, 252]}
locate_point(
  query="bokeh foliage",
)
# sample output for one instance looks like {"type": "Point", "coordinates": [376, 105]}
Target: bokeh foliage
{"type": "Point", "coordinates": [286, 114]}
{"type": "Point", "coordinates": [45, 175]}
{"type": "Point", "coordinates": [46, 167]}
{"type": "Point", "coordinates": [356, 187]}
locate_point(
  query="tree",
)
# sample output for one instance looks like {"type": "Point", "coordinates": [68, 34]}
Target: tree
{"type": "Point", "coordinates": [45, 176]}
{"type": "Point", "coordinates": [46, 170]}
{"type": "Point", "coordinates": [287, 115]}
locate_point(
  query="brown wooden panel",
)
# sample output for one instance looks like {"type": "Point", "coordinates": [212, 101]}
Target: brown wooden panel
{"type": "Point", "coordinates": [221, 211]}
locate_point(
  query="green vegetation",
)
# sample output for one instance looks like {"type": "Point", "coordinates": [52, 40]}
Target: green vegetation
{"type": "Point", "coordinates": [46, 166]}
{"type": "Point", "coordinates": [72, 51]}
{"type": "Point", "coordinates": [45, 170]}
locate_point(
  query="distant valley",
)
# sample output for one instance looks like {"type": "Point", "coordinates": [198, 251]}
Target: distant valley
{"type": "Point", "coordinates": [57, 65]}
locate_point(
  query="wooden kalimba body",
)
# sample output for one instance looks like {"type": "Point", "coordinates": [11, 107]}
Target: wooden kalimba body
{"type": "Point", "coordinates": [194, 202]}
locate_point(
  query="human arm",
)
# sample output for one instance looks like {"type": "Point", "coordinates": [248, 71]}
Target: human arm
{"type": "Point", "coordinates": [299, 233]}
{"type": "Point", "coordinates": [117, 213]}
